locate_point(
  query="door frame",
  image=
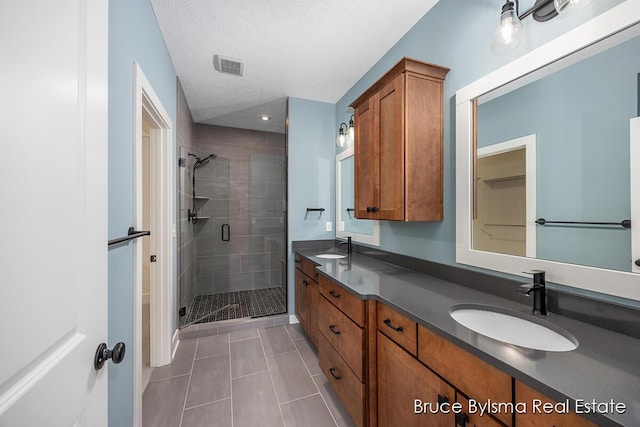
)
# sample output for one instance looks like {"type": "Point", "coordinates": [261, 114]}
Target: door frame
{"type": "Point", "coordinates": [163, 334]}
{"type": "Point", "coordinates": [528, 142]}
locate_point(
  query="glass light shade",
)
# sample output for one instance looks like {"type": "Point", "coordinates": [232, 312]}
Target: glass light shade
{"type": "Point", "coordinates": [351, 135]}
{"type": "Point", "coordinates": [509, 32]}
{"type": "Point", "coordinates": [341, 139]}
{"type": "Point", "coordinates": [573, 5]}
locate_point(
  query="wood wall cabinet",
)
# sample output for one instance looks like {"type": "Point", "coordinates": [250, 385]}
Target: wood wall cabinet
{"type": "Point", "coordinates": [306, 291]}
{"type": "Point", "coordinates": [398, 144]}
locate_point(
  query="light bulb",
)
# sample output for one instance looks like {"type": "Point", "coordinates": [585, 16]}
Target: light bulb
{"type": "Point", "coordinates": [509, 32]}
{"type": "Point", "coordinates": [351, 135]}
{"type": "Point", "coordinates": [341, 139]}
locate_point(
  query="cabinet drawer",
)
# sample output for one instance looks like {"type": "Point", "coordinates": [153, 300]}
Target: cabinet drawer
{"type": "Point", "coordinates": [398, 327]}
{"type": "Point", "coordinates": [349, 389]}
{"type": "Point", "coordinates": [345, 337]}
{"type": "Point", "coordinates": [306, 266]}
{"type": "Point", "coordinates": [350, 305]}
{"type": "Point", "coordinates": [465, 371]}
{"type": "Point", "coordinates": [526, 394]}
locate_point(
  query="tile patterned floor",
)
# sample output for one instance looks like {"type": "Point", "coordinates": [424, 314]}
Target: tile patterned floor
{"type": "Point", "coordinates": [252, 303]}
{"type": "Point", "coordinates": [254, 377]}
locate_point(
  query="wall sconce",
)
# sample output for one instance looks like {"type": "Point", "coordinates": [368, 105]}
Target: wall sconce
{"type": "Point", "coordinates": [509, 32]}
{"type": "Point", "coordinates": [346, 133]}
{"type": "Point", "coordinates": [342, 135]}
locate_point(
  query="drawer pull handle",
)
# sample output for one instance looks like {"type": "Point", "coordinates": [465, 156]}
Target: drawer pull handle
{"type": "Point", "coordinates": [333, 329]}
{"type": "Point", "coordinates": [462, 419]}
{"type": "Point", "coordinates": [304, 282]}
{"type": "Point", "coordinates": [298, 261]}
{"type": "Point", "coordinates": [397, 329]}
{"type": "Point", "coordinates": [442, 400]}
{"type": "Point", "coordinates": [332, 372]}
{"type": "Point", "coordinates": [334, 294]}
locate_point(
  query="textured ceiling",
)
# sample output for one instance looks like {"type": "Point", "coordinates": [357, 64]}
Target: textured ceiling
{"type": "Point", "coordinates": [308, 49]}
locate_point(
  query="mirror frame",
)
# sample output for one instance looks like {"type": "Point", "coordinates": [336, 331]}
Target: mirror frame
{"type": "Point", "coordinates": [610, 282]}
{"type": "Point", "coordinates": [373, 239]}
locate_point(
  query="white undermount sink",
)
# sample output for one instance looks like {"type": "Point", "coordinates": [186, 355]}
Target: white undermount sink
{"type": "Point", "coordinates": [331, 256]}
{"type": "Point", "coordinates": [513, 327]}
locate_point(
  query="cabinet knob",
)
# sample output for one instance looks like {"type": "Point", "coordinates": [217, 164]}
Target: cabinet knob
{"type": "Point", "coordinates": [334, 294]}
{"type": "Point", "coordinates": [374, 209]}
{"type": "Point", "coordinates": [637, 262]}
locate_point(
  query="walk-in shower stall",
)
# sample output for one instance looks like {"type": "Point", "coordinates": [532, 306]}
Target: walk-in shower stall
{"type": "Point", "coordinates": [232, 225]}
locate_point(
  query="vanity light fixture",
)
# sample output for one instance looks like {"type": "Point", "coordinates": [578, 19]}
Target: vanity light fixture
{"type": "Point", "coordinates": [346, 134]}
{"type": "Point", "coordinates": [510, 31]}
{"type": "Point", "coordinates": [351, 132]}
{"type": "Point", "coordinates": [343, 130]}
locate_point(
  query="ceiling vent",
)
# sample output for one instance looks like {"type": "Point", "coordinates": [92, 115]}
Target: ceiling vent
{"type": "Point", "coordinates": [228, 65]}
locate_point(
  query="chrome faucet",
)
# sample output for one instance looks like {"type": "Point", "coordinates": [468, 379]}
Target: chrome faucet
{"type": "Point", "coordinates": [349, 245]}
{"type": "Point", "coordinates": [539, 290]}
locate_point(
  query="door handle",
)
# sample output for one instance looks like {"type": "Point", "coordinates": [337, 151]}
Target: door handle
{"type": "Point", "coordinates": [228, 230]}
{"type": "Point", "coordinates": [103, 354]}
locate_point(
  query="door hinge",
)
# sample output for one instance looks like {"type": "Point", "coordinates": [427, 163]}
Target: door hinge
{"type": "Point", "coordinates": [152, 258]}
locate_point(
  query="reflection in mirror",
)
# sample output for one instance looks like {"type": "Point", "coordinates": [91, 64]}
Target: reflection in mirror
{"type": "Point", "coordinates": [506, 198]}
{"type": "Point", "coordinates": [360, 230]}
{"type": "Point", "coordinates": [580, 118]}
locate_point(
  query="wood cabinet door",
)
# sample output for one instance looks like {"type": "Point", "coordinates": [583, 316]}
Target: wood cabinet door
{"type": "Point", "coordinates": [390, 112]}
{"type": "Point", "coordinates": [402, 382]}
{"type": "Point", "coordinates": [302, 300]}
{"type": "Point", "coordinates": [366, 157]}
{"type": "Point", "coordinates": [539, 417]}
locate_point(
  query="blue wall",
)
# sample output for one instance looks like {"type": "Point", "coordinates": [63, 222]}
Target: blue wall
{"type": "Point", "coordinates": [581, 122]}
{"type": "Point", "coordinates": [311, 175]}
{"type": "Point", "coordinates": [134, 36]}
{"type": "Point", "coordinates": [456, 34]}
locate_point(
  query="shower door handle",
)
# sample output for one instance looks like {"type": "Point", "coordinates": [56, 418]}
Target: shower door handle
{"type": "Point", "coordinates": [227, 228]}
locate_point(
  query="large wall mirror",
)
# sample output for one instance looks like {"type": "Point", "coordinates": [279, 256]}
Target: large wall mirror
{"type": "Point", "coordinates": [547, 160]}
{"type": "Point", "coordinates": [360, 230]}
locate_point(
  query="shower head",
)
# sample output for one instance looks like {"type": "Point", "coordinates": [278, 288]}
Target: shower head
{"type": "Point", "coordinates": [202, 161]}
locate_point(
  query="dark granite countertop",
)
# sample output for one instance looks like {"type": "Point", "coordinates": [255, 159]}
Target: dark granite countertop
{"type": "Point", "coordinates": [604, 368]}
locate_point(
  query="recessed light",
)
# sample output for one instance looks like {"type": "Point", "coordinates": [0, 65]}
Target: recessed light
{"type": "Point", "coordinates": [265, 118]}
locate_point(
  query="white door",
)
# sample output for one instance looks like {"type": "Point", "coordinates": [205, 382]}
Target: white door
{"type": "Point", "coordinates": [53, 211]}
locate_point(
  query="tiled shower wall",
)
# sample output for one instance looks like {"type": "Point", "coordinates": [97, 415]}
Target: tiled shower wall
{"type": "Point", "coordinates": [245, 185]}
{"type": "Point", "coordinates": [186, 243]}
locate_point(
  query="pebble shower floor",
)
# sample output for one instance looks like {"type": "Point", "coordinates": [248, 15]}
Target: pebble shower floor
{"type": "Point", "coordinates": [251, 303]}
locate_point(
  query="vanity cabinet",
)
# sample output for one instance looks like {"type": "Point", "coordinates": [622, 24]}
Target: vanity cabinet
{"type": "Point", "coordinates": [343, 344]}
{"type": "Point", "coordinates": [306, 299]}
{"type": "Point", "coordinates": [398, 144]}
